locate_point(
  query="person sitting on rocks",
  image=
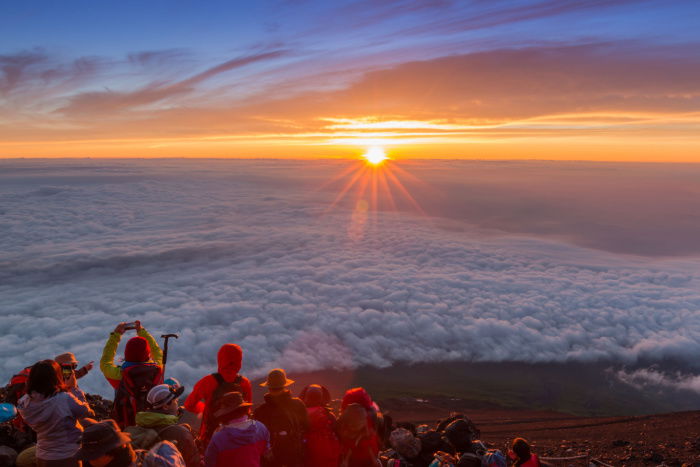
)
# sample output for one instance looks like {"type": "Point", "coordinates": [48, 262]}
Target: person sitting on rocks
{"type": "Point", "coordinates": [71, 373]}
{"type": "Point", "coordinates": [521, 454]}
{"type": "Point", "coordinates": [103, 444]}
{"type": "Point", "coordinates": [53, 413]}
{"type": "Point", "coordinates": [161, 422]}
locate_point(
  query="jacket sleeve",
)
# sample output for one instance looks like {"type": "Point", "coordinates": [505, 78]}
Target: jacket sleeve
{"type": "Point", "coordinates": [107, 366]}
{"type": "Point", "coordinates": [195, 401]}
{"type": "Point", "coordinates": [78, 408]}
{"type": "Point", "coordinates": [80, 372]}
{"type": "Point", "coordinates": [156, 352]}
{"type": "Point", "coordinates": [211, 454]}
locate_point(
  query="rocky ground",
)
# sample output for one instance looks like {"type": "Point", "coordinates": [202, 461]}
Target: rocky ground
{"type": "Point", "coordinates": [671, 439]}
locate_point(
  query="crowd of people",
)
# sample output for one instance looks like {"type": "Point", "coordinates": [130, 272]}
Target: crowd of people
{"type": "Point", "coordinates": [146, 427]}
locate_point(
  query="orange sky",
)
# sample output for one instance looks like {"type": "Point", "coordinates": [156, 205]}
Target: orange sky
{"type": "Point", "coordinates": [619, 101]}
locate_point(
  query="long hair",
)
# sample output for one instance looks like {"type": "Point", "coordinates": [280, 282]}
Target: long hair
{"type": "Point", "coordinates": [45, 378]}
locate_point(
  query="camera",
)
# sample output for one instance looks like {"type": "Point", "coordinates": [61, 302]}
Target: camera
{"type": "Point", "coordinates": [129, 326]}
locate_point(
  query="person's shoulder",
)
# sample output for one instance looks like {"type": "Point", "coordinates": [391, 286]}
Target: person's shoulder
{"type": "Point", "coordinates": [298, 403]}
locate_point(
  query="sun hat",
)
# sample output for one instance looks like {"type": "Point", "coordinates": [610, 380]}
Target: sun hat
{"type": "Point", "coordinates": [99, 438]}
{"type": "Point", "coordinates": [230, 402]}
{"type": "Point", "coordinates": [277, 379]}
{"type": "Point", "coordinates": [66, 358]}
{"type": "Point", "coordinates": [159, 396]}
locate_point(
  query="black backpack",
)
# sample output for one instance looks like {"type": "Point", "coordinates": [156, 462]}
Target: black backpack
{"type": "Point", "coordinates": [130, 396]}
{"type": "Point", "coordinates": [286, 436]}
{"type": "Point", "coordinates": [222, 388]}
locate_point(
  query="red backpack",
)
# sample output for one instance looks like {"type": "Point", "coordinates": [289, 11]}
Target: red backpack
{"type": "Point", "coordinates": [322, 443]}
{"type": "Point", "coordinates": [130, 396]}
{"type": "Point", "coordinates": [15, 389]}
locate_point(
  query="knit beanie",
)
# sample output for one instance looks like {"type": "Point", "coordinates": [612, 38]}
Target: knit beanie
{"type": "Point", "coordinates": [137, 350]}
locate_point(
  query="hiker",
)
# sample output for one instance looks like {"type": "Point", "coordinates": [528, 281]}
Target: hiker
{"type": "Point", "coordinates": [239, 440]}
{"type": "Point", "coordinates": [15, 389]}
{"type": "Point", "coordinates": [286, 419]}
{"type": "Point", "coordinates": [322, 443]}
{"type": "Point", "coordinates": [407, 448]}
{"type": "Point", "coordinates": [521, 455]}
{"type": "Point", "coordinates": [71, 373]}
{"type": "Point", "coordinates": [208, 390]}
{"type": "Point", "coordinates": [53, 413]}
{"type": "Point", "coordinates": [161, 422]}
{"type": "Point", "coordinates": [142, 369]}
{"type": "Point", "coordinates": [103, 444]}
{"type": "Point", "coordinates": [358, 423]}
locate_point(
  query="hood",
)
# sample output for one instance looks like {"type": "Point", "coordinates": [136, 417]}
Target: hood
{"type": "Point", "coordinates": [357, 396]}
{"type": "Point", "coordinates": [37, 409]}
{"type": "Point", "coordinates": [229, 359]}
{"type": "Point", "coordinates": [236, 436]}
{"type": "Point", "coordinates": [137, 350]}
{"type": "Point", "coordinates": [155, 419]}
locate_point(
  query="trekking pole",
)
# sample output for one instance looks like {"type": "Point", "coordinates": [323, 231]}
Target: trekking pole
{"type": "Point", "coordinates": [166, 337]}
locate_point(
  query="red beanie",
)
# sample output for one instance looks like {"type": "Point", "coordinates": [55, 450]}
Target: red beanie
{"type": "Point", "coordinates": [137, 350]}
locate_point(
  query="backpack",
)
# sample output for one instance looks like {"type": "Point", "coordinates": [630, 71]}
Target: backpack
{"type": "Point", "coordinates": [222, 388]}
{"type": "Point", "coordinates": [469, 459]}
{"type": "Point", "coordinates": [162, 454]}
{"type": "Point", "coordinates": [130, 396]}
{"type": "Point", "coordinates": [15, 389]}
{"type": "Point", "coordinates": [432, 442]}
{"type": "Point", "coordinates": [286, 437]}
{"type": "Point", "coordinates": [493, 458]}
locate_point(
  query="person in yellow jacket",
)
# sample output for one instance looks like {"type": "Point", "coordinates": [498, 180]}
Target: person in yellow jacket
{"type": "Point", "coordinates": [140, 350]}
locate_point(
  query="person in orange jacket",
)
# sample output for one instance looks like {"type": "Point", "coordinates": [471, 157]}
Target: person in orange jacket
{"type": "Point", "coordinates": [208, 390]}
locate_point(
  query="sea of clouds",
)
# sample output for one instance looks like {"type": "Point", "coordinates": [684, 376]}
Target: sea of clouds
{"type": "Point", "coordinates": [256, 253]}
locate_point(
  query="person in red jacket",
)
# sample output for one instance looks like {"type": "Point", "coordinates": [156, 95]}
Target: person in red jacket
{"type": "Point", "coordinates": [211, 388]}
{"type": "Point", "coordinates": [322, 444]}
{"type": "Point", "coordinates": [359, 426]}
{"type": "Point", "coordinates": [521, 456]}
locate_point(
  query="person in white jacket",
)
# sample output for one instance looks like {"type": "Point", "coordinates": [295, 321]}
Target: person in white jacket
{"type": "Point", "coordinates": [53, 413]}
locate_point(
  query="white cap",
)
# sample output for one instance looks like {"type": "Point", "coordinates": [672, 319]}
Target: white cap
{"type": "Point", "coordinates": [160, 395]}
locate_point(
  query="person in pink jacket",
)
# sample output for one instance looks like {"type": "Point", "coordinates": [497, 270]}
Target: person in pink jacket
{"type": "Point", "coordinates": [53, 413]}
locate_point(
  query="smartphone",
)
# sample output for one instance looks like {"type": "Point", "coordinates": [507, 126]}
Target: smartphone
{"type": "Point", "coordinates": [129, 326]}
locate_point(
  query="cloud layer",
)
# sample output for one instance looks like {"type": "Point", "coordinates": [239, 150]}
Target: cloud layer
{"type": "Point", "coordinates": [249, 252]}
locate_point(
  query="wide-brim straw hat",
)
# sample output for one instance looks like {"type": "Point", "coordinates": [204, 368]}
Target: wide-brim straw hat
{"type": "Point", "coordinates": [99, 438]}
{"type": "Point", "coordinates": [277, 379]}
{"type": "Point", "coordinates": [230, 402]}
{"type": "Point", "coordinates": [66, 358]}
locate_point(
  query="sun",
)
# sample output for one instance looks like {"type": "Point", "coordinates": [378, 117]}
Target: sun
{"type": "Point", "coordinates": [375, 155]}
